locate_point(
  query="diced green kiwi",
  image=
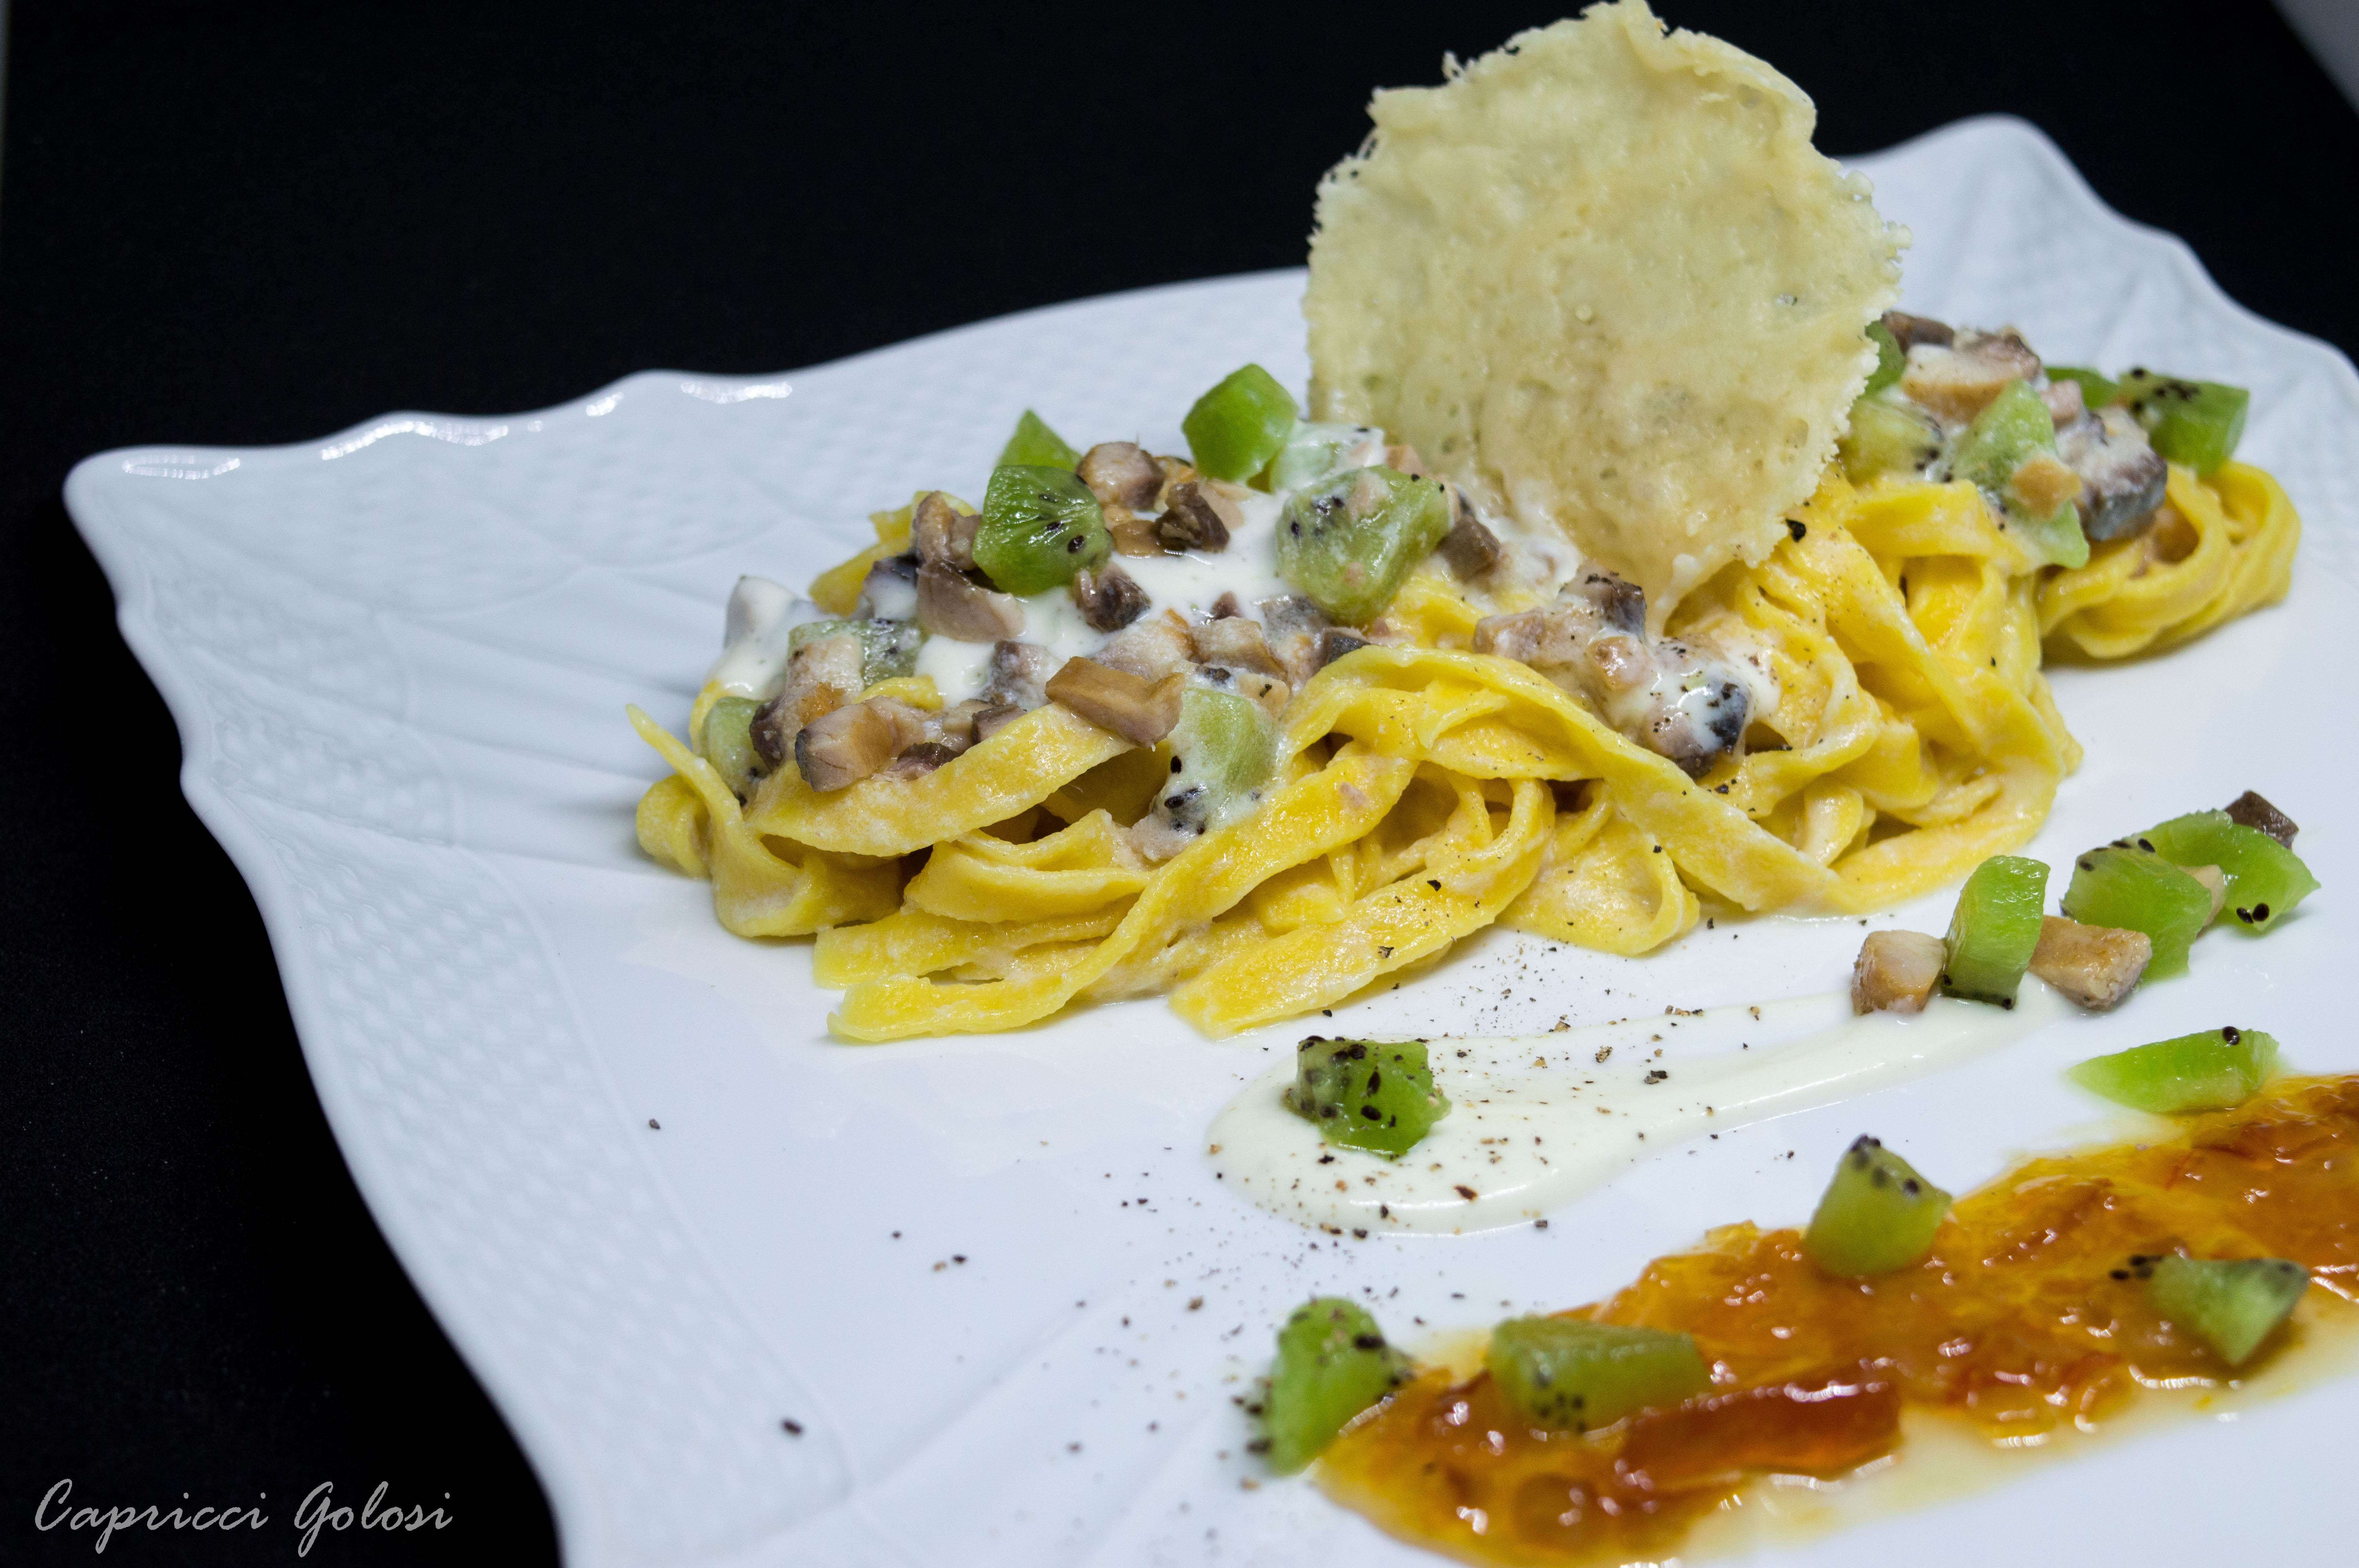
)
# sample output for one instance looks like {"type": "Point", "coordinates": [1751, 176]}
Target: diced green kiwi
{"type": "Point", "coordinates": [1375, 1094]}
{"type": "Point", "coordinates": [1040, 527]}
{"type": "Point", "coordinates": [1311, 453]}
{"type": "Point", "coordinates": [1237, 427]}
{"type": "Point", "coordinates": [1876, 1214]}
{"type": "Point", "coordinates": [1332, 1363]}
{"type": "Point", "coordinates": [2232, 1305]}
{"type": "Point", "coordinates": [2056, 538]}
{"type": "Point", "coordinates": [1224, 750]}
{"type": "Point", "coordinates": [1034, 444]}
{"type": "Point", "coordinates": [1994, 929]}
{"type": "Point", "coordinates": [1349, 543]}
{"type": "Point", "coordinates": [888, 649]}
{"type": "Point", "coordinates": [2266, 879]}
{"type": "Point", "coordinates": [727, 741]}
{"type": "Point", "coordinates": [2209, 1071]}
{"type": "Point", "coordinates": [2196, 423]}
{"type": "Point", "coordinates": [1891, 359]}
{"type": "Point", "coordinates": [2134, 890]}
{"type": "Point", "coordinates": [1887, 437]}
{"type": "Point", "coordinates": [2096, 389]}
{"type": "Point", "coordinates": [2013, 428]}
{"type": "Point", "coordinates": [1567, 1374]}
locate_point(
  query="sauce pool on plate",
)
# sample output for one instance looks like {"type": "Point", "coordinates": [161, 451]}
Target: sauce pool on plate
{"type": "Point", "coordinates": [2029, 1320]}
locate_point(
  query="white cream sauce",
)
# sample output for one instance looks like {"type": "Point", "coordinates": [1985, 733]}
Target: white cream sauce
{"type": "Point", "coordinates": [1539, 1120]}
{"type": "Point", "coordinates": [762, 615]}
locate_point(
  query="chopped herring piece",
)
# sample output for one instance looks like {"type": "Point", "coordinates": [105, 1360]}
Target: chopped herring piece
{"type": "Point", "coordinates": [2096, 965]}
{"type": "Point", "coordinates": [1122, 473]}
{"type": "Point", "coordinates": [889, 591]}
{"type": "Point", "coordinates": [1679, 701]}
{"type": "Point", "coordinates": [2249, 810]}
{"type": "Point", "coordinates": [1470, 548]}
{"type": "Point", "coordinates": [920, 760]}
{"type": "Point", "coordinates": [1621, 661]}
{"type": "Point", "coordinates": [1617, 603]}
{"type": "Point", "coordinates": [1897, 972]}
{"type": "Point", "coordinates": [1334, 642]}
{"type": "Point", "coordinates": [1877, 1214]}
{"type": "Point", "coordinates": [1959, 379]}
{"type": "Point", "coordinates": [2066, 403]}
{"type": "Point", "coordinates": [1177, 472]}
{"type": "Point", "coordinates": [1291, 624]}
{"type": "Point", "coordinates": [942, 534]}
{"type": "Point", "coordinates": [824, 674]}
{"type": "Point", "coordinates": [1020, 676]}
{"type": "Point", "coordinates": [847, 745]}
{"type": "Point", "coordinates": [1910, 331]}
{"type": "Point", "coordinates": [1236, 643]}
{"type": "Point", "coordinates": [1109, 599]}
{"type": "Point", "coordinates": [2122, 477]}
{"type": "Point", "coordinates": [1291, 615]}
{"type": "Point", "coordinates": [1140, 711]}
{"type": "Point", "coordinates": [1133, 535]}
{"type": "Point", "coordinates": [1198, 518]}
{"type": "Point", "coordinates": [956, 724]}
{"type": "Point", "coordinates": [1228, 606]}
{"type": "Point", "coordinates": [2041, 484]}
{"type": "Point", "coordinates": [994, 718]}
{"type": "Point", "coordinates": [1149, 648]}
{"type": "Point", "coordinates": [951, 605]}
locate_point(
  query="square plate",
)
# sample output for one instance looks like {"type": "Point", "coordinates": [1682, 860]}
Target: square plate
{"type": "Point", "coordinates": [993, 1281]}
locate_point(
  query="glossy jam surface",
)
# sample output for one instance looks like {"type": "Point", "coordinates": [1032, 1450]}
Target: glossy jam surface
{"type": "Point", "coordinates": [2029, 1317]}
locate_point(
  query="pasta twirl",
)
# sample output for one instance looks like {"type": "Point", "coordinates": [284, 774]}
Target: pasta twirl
{"type": "Point", "coordinates": [1425, 791]}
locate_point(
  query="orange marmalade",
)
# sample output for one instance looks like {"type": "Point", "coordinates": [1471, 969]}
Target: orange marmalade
{"type": "Point", "coordinates": [2029, 1314]}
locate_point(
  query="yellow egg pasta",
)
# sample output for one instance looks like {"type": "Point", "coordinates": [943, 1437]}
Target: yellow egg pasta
{"type": "Point", "coordinates": [1425, 791]}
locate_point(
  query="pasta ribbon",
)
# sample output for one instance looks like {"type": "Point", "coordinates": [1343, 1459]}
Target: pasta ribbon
{"type": "Point", "coordinates": [1424, 791]}
{"type": "Point", "coordinates": [1021, 766]}
{"type": "Point", "coordinates": [2225, 546]}
{"type": "Point", "coordinates": [758, 890]}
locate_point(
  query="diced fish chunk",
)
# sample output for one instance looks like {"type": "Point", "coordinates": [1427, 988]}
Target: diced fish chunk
{"type": "Point", "coordinates": [1897, 971]}
{"type": "Point", "coordinates": [2096, 965]}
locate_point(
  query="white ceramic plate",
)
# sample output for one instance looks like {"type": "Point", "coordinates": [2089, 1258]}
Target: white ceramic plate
{"type": "Point", "coordinates": [398, 660]}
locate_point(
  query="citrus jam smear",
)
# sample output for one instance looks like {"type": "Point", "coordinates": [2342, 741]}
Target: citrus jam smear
{"type": "Point", "coordinates": [2029, 1318]}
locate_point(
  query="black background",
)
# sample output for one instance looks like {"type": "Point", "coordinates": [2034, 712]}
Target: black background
{"type": "Point", "coordinates": [220, 224]}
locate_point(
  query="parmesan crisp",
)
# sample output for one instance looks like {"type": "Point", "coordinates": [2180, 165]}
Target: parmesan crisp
{"type": "Point", "coordinates": [1601, 279]}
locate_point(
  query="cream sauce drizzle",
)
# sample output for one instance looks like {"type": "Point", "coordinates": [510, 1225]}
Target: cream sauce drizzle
{"type": "Point", "coordinates": [1539, 1120]}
